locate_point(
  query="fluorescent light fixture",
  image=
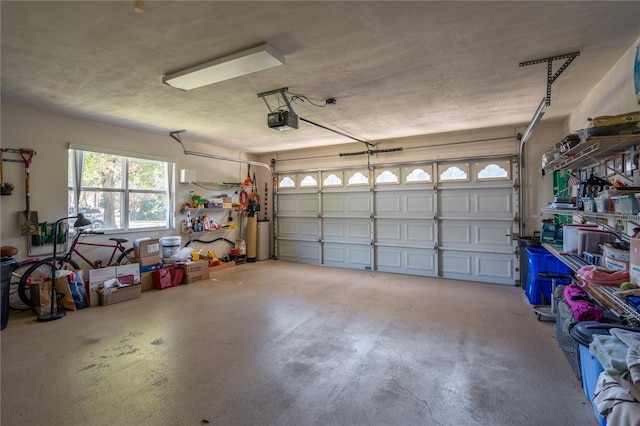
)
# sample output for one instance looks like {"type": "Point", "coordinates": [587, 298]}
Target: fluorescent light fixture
{"type": "Point", "coordinates": [537, 116]}
{"type": "Point", "coordinates": [241, 63]}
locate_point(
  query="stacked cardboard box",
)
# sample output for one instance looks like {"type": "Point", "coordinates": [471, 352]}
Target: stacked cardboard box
{"type": "Point", "coordinates": [147, 251]}
{"type": "Point", "coordinates": [634, 261]}
{"type": "Point", "coordinates": [195, 271]}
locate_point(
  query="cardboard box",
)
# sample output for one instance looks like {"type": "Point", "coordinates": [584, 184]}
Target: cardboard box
{"type": "Point", "coordinates": [99, 276]}
{"type": "Point", "coordinates": [634, 274]}
{"type": "Point", "coordinates": [131, 269]}
{"type": "Point", "coordinates": [146, 247]}
{"type": "Point", "coordinates": [119, 295]}
{"type": "Point", "coordinates": [93, 298]}
{"type": "Point", "coordinates": [146, 281]}
{"type": "Point", "coordinates": [634, 261]}
{"type": "Point", "coordinates": [195, 271]}
{"type": "Point", "coordinates": [151, 268]}
{"type": "Point", "coordinates": [150, 263]}
{"type": "Point", "coordinates": [615, 264]}
{"type": "Point", "coordinates": [220, 267]}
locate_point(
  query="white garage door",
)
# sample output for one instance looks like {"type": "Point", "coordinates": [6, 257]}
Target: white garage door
{"type": "Point", "coordinates": [452, 220]}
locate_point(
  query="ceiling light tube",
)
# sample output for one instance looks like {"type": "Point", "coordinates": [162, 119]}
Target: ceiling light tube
{"type": "Point", "coordinates": [246, 62]}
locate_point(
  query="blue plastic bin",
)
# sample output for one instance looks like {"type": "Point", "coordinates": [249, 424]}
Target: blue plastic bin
{"type": "Point", "coordinates": [539, 288]}
{"type": "Point", "coordinates": [591, 369]}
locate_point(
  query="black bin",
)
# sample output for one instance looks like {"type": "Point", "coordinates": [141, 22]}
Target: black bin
{"type": "Point", "coordinates": [7, 267]}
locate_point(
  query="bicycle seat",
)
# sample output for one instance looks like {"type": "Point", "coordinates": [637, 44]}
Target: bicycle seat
{"type": "Point", "coordinates": [119, 240]}
{"type": "Point", "coordinates": [8, 251]}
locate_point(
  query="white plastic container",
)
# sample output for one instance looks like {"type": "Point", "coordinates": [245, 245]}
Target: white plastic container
{"type": "Point", "coordinates": [589, 240]}
{"type": "Point", "coordinates": [570, 236]}
{"type": "Point", "coordinates": [170, 245]}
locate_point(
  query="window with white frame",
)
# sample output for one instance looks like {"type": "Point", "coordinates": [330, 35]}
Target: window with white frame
{"type": "Point", "coordinates": [120, 192]}
{"type": "Point", "coordinates": [418, 174]}
{"type": "Point", "coordinates": [308, 181]}
{"type": "Point", "coordinates": [331, 178]}
{"type": "Point", "coordinates": [387, 176]}
{"type": "Point", "coordinates": [357, 177]}
{"type": "Point", "coordinates": [454, 172]}
{"type": "Point", "coordinates": [493, 170]}
{"type": "Point", "coordinates": [286, 181]}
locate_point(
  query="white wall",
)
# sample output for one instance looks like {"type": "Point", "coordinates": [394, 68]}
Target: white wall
{"type": "Point", "coordinates": [49, 135]}
{"type": "Point", "coordinates": [613, 95]}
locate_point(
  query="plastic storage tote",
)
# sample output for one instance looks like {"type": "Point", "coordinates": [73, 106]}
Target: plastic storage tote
{"type": "Point", "coordinates": [541, 260]}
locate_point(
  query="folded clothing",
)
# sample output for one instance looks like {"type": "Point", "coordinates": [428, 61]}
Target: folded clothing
{"type": "Point", "coordinates": [589, 274]}
{"type": "Point", "coordinates": [615, 403]}
{"type": "Point", "coordinates": [583, 307]}
{"type": "Point", "coordinates": [632, 340]}
{"type": "Point", "coordinates": [611, 352]}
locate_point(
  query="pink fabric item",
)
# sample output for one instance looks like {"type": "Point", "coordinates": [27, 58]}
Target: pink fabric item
{"type": "Point", "coordinates": [590, 275]}
{"type": "Point", "coordinates": [580, 302]}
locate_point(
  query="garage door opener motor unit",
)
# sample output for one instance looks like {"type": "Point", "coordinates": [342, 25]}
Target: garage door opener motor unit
{"type": "Point", "coordinates": [282, 120]}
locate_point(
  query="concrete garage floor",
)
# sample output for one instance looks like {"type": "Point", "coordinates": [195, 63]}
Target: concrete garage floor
{"type": "Point", "coordinates": [277, 343]}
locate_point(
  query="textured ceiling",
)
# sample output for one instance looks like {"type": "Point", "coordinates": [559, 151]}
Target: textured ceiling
{"type": "Point", "coordinates": [396, 68]}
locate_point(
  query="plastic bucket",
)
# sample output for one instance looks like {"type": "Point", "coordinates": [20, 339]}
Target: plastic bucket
{"type": "Point", "coordinates": [170, 246]}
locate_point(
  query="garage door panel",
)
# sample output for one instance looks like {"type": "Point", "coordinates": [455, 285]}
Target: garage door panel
{"type": "Point", "coordinates": [482, 235]}
{"type": "Point", "coordinates": [494, 234]}
{"type": "Point", "coordinates": [298, 228]}
{"type": "Point", "coordinates": [486, 267]}
{"type": "Point", "coordinates": [287, 205]}
{"type": "Point", "coordinates": [332, 203]}
{"type": "Point", "coordinates": [388, 231]}
{"type": "Point", "coordinates": [298, 204]}
{"type": "Point", "coordinates": [485, 203]}
{"type": "Point", "coordinates": [456, 263]}
{"type": "Point", "coordinates": [346, 230]}
{"type": "Point", "coordinates": [348, 255]}
{"type": "Point", "coordinates": [498, 204]}
{"type": "Point", "coordinates": [494, 266]}
{"type": "Point", "coordinates": [309, 204]}
{"type": "Point", "coordinates": [452, 202]}
{"type": "Point", "coordinates": [299, 251]}
{"type": "Point", "coordinates": [406, 261]}
{"type": "Point", "coordinates": [412, 203]}
{"type": "Point", "coordinates": [346, 204]}
{"type": "Point", "coordinates": [409, 232]}
{"type": "Point", "coordinates": [387, 203]}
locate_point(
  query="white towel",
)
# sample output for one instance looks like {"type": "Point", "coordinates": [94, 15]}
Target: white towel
{"type": "Point", "coordinates": [632, 340]}
{"type": "Point", "coordinates": [615, 403]}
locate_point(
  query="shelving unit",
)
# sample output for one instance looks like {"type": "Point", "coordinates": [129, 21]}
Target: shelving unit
{"type": "Point", "coordinates": [593, 217]}
{"type": "Point", "coordinates": [591, 150]}
{"type": "Point", "coordinates": [219, 215]}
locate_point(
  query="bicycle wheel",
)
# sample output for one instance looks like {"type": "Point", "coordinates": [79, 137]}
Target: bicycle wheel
{"type": "Point", "coordinates": [15, 302]}
{"type": "Point", "coordinates": [126, 257]}
{"type": "Point", "coordinates": [41, 270]}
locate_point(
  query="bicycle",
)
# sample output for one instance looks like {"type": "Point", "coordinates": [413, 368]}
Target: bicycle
{"type": "Point", "coordinates": [43, 267]}
{"type": "Point", "coordinates": [18, 268]}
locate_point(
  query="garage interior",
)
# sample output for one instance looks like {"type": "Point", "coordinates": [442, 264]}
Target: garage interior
{"type": "Point", "coordinates": [384, 300]}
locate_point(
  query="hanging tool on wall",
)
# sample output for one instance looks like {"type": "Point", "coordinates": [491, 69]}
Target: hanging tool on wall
{"type": "Point", "coordinates": [28, 220]}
